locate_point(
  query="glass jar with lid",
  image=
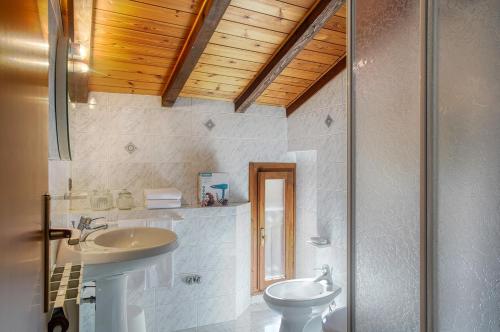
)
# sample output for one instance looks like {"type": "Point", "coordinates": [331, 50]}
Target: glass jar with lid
{"type": "Point", "coordinates": [125, 200]}
{"type": "Point", "coordinates": [101, 200]}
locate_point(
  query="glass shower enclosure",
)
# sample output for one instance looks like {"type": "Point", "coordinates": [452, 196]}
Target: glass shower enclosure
{"type": "Point", "coordinates": [425, 165]}
{"type": "Point", "coordinates": [466, 166]}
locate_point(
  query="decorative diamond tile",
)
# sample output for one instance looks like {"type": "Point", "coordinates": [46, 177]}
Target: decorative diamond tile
{"type": "Point", "coordinates": [210, 124]}
{"type": "Point", "coordinates": [328, 121]}
{"type": "Point", "coordinates": [131, 147]}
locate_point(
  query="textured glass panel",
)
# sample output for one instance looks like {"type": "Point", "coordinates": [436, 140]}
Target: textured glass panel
{"type": "Point", "coordinates": [275, 217]}
{"type": "Point", "coordinates": [467, 166]}
{"type": "Point", "coordinates": [386, 120]}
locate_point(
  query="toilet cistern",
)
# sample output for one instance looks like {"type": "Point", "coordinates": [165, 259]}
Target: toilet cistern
{"type": "Point", "coordinates": [326, 275]}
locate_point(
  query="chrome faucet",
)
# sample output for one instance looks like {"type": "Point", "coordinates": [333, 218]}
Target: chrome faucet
{"type": "Point", "coordinates": [326, 274]}
{"type": "Point", "coordinates": [85, 227]}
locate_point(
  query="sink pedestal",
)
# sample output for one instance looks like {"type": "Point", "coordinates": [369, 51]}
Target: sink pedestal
{"type": "Point", "coordinates": [111, 304]}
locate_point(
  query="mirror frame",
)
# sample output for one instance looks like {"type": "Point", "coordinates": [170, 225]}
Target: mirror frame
{"type": "Point", "coordinates": [61, 97]}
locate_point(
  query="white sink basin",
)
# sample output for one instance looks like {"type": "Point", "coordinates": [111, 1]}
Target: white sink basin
{"type": "Point", "coordinates": [134, 238]}
{"type": "Point", "coordinates": [115, 251]}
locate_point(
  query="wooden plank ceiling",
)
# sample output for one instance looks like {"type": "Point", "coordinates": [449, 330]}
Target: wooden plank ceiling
{"type": "Point", "coordinates": [136, 43]}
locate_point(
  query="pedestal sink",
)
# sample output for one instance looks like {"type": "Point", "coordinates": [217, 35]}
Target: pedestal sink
{"type": "Point", "coordinates": [107, 255]}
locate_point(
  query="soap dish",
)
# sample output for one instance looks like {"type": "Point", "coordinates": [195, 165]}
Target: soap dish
{"type": "Point", "coordinates": [319, 241]}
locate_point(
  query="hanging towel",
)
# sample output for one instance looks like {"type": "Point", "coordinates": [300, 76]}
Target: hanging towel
{"type": "Point", "coordinates": [162, 193]}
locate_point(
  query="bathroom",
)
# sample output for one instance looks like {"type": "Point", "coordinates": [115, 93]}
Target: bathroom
{"type": "Point", "coordinates": [260, 166]}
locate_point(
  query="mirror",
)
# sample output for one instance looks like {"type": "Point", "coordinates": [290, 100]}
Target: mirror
{"type": "Point", "coordinates": [67, 79]}
{"type": "Point", "coordinates": [59, 83]}
{"type": "Point", "coordinates": [61, 97]}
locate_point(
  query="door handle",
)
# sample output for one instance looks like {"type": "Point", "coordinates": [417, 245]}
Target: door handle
{"type": "Point", "coordinates": [262, 236]}
{"type": "Point", "coordinates": [57, 234]}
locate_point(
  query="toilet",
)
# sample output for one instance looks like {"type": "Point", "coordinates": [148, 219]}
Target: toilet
{"type": "Point", "coordinates": [300, 302]}
{"type": "Point", "coordinates": [336, 321]}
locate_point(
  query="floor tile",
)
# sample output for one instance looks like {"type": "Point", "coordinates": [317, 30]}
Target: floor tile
{"type": "Point", "coordinates": [257, 318]}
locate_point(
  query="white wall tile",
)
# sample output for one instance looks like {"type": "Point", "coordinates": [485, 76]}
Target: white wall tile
{"type": "Point", "coordinates": [176, 316]}
{"type": "Point", "coordinates": [59, 173]}
{"type": "Point", "coordinates": [173, 148]}
{"type": "Point", "coordinates": [333, 176]}
{"type": "Point", "coordinates": [332, 148]}
{"type": "Point", "coordinates": [215, 310]}
{"type": "Point", "coordinates": [88, 176]}
{"type": "Point", "coordinates": [243, 256]}
{"type": "Point", "coordinates": [223, 124]}
{"type": "Point", "coordinates": [88, 118]}
{"type": "Point", "coordinates": [127, 120]}
{"type": "Point", "coordinates": [133, 176]}
{"type": "Point", "coordinates": [215, 256]}
{"type": "Point", "coordinates": [187, 231]}
{"type": "Point", "coordinates": [185, 259]}
{"type": "Point", "coordinates": [89, 147]}
{"type": "Point", "coordinates": [216, 230]}
{"type": "Point", "coordinates": [216, 283]}
{"type": "Point", "coordinates": [322, 180]}
{"type": "Point", "coordinates": [305, 265]}
{"type": "Point", "coordinates": [178, 175]}
{"type": "Point", "coordinates": [170, 122]}
{"type": "Point", "coordinates": [180, 291]}
{"type": "Point", "coordinates": [143, 144]}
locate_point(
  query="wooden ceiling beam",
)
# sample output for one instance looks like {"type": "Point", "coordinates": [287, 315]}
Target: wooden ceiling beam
{"type": "Point", "coordinates": [307, 29]}
{"type": "Point", "coordinates": [208, 18]}
{"type": "Point", "coordinates": [311, 91]}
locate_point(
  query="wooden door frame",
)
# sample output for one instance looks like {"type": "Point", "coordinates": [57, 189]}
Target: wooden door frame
{"type": "Point", "coordinates": [254, 169]}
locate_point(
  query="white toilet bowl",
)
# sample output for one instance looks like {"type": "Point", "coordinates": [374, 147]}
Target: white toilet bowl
{"type": "Point", "coordinates": [336, 321]}
{"type": "Point", "coordinates": [300, 303]}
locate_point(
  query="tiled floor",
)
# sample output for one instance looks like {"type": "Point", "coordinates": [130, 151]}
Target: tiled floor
{"type": "Point", "coordinates": [257, 318]}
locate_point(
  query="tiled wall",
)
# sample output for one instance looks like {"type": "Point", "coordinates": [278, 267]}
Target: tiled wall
{"type": "Point", "coordinates": [307, 212]}
{"type": "Point", "coordinates": [322, 179]}
{"type": "Point", "coordinates": [171, 144]}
